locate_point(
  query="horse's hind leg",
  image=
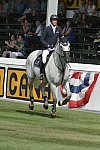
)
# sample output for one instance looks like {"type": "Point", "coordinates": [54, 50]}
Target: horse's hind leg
{"type": "Point", "coordinates": [31, 105]}
{"type": "Point", "coordinates": [42, 88]}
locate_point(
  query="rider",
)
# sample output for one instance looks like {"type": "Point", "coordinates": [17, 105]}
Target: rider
{"type": "Point", "coordinates": [49, 38]}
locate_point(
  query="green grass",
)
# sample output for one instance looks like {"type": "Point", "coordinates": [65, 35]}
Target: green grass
{"type": "Point", "coordinates": [22, 129]}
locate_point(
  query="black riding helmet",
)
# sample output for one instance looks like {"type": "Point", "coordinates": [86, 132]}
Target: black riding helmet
{"type": "Point", "coordinates": [53, 17]}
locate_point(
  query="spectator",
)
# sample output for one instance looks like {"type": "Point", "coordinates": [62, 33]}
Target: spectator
{"type": "Point", "coordinates": [15, 47]}
{"type": "Point", "coordinates": [11, 46]}
{"type": "Point", "coordinates": [30, 15]}
{"type": "Point", "coordinates": [20, 6]}
{"type": "Point", "coordinates": [68, 31]}
{"type": "Point", "coordinates": [37, 35]}
{"type": "Point", "coordinates": [91, 9]}
{"type": "Point", "coordinates": [42, 12]}
{"type": "Point", "coordinates": [26, 23]}
{"type": "Point", "coordinates": [38, 4]}
{"type": "Point", "coordinates": [79, 15]}
{"type": "Point", "coordinates": [18, 10]}
{"type": "Point", "coordinates": [33, 37]}
{"type": "Point", "coordinates": [20, 49]}
{"type": "Point", "coordinates": [11, 6]}
{"type": "Point", "coordinates": [61, 8]}
{"type": "Point", "coordinates": [43, 5]}
{"type": "Point", "coordinates": [35, 4]}
{"type": "Point", "coordinates": [3, 15]}
{"type": "Point", "coordinates": [97, 42]}
{"type": "Point", "coordinates": [28, 33]}
{"type": "Point", "coordinates": [6, 6]}
{"type": "Point", "coordinates": [61, 13]}
{"type": "Point", "coordinates": [91, 14]}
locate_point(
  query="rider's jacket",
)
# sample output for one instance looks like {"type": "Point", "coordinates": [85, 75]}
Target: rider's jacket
{"type": "Point", "coordinates": [49, 38]}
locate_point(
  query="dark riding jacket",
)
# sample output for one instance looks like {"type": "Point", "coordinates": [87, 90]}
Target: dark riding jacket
{"type": "Point", "coordinates": [49, 38]}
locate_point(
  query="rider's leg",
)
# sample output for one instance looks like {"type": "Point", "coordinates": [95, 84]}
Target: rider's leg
{"type": "Point", "coordinates": [42, 69]}
{"type": "Point", "coordinates": [44, 55]}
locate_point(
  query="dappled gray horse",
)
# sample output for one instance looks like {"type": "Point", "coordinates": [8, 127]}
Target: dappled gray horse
{"type": "Point", "coordinates": [56, 72]}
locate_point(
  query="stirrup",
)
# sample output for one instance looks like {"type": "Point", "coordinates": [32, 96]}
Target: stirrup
{"type": "Point", "coordinates": [41, 76]}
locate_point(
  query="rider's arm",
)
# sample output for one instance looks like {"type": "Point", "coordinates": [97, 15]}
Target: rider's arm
{"type": "Point", "coordinates": [43, 37]}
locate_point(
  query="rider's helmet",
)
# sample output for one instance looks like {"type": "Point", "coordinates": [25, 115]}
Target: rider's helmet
{"type": "Point", "coordinates": [53, 17]}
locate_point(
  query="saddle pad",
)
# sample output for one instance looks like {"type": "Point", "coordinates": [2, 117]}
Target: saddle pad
{"type": "Point", "coordinates": [38, 61]}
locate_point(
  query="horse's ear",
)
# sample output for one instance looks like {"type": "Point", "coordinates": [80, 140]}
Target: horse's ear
{"type": "Point", "coordinates": [63, 40]}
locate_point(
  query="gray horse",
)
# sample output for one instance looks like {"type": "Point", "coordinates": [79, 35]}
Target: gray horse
{"type": "Point", "coordinates": [56, 73]}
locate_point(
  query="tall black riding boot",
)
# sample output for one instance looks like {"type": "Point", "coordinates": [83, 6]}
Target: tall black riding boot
{"type": "Point", "coordinates": [42, 71]}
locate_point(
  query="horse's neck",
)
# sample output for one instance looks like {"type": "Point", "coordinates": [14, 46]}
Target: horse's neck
{"type": "Point", "coordinates": [58, 57]}
{"type": "Point", "coordinates": [57, 49]}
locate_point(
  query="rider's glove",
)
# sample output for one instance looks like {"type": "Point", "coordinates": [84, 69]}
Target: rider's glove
{"type": "Point", "coordinates": [51, 46]}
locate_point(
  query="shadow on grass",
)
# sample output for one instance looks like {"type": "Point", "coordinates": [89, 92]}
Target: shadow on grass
{"type": "Point", "coordinates": [35, 113]}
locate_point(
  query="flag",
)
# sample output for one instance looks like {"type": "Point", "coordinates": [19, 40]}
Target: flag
{"type": "Point", "coordinates": [81, 87]}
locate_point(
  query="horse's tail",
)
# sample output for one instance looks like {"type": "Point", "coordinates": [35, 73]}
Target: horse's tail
{"type": "Point", "coordinates": [29, 68]}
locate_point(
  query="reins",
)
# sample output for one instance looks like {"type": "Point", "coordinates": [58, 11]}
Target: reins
{"type": "Point", "coordinates": [60, 59]}
{"type": "Point", "coordinates": [60, 56]}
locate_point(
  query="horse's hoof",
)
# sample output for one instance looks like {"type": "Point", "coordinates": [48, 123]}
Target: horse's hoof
{"type": "Point", "coordinates": [64, 102]}
{"type": "Point", "coordinates": [31, 107]}
{"type": "Point", "coordinates": [45, 106]}
{"type": "Point", "coordinates": [59, 103]}
{"type": "Point", "coordinates": [53, 115]}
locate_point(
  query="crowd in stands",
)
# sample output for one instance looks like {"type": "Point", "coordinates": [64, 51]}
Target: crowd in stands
{"type": "Point", "coordinates": [15, 47]}
{"type": "Point", "coordinates": [32, 18]}
{"type": "Point", "coordinates": [32, 21]}
{"type": "Point", "coordinates": [86, 15]}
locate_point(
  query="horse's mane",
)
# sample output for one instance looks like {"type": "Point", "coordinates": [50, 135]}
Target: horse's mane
{"type": "Point", "coordinates": [58, 40]}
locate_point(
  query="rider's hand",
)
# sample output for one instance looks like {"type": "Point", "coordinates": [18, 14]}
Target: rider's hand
{"type": "Point", "coordinates": [6, 42]}
{"type": "Point", "coordinates": [51, 46]}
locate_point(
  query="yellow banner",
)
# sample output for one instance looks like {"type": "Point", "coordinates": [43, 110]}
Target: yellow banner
{"type": "Point", "coordinates": [73, 4]}
{"type": "Point", "coordinates": [2, 77]}
{"type": "Point", "coordinates": [98, 4]}
{"type": "Point", "coordinates": [17, 86]}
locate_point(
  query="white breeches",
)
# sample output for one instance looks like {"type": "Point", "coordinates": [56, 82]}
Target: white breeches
{"type": "Point", "coordinates": [44, 55]}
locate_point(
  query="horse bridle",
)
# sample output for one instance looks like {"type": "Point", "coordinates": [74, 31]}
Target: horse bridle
{"type": "Point", "coordinates": [60, 56]}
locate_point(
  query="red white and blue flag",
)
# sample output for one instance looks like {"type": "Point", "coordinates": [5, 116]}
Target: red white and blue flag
{"type": "Point", "coordinates": [81, 87]}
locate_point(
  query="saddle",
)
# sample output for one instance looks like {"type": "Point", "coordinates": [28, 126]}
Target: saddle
{"type": "Point", "coordinates": [38, 60]}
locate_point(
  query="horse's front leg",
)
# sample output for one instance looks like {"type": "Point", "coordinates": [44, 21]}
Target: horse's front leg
{"type": "Point", "coordinates": [42, 88]}
{"type": "Point", "coordinates": [31, 105]}
{"type": "Point", "coordinates": [65, 91]}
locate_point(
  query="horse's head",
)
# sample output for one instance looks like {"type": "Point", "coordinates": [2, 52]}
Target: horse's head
{"type": "Point", "coordinates": [65, 47]}
{"type": "Point", "coordinates": [62, 48]}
